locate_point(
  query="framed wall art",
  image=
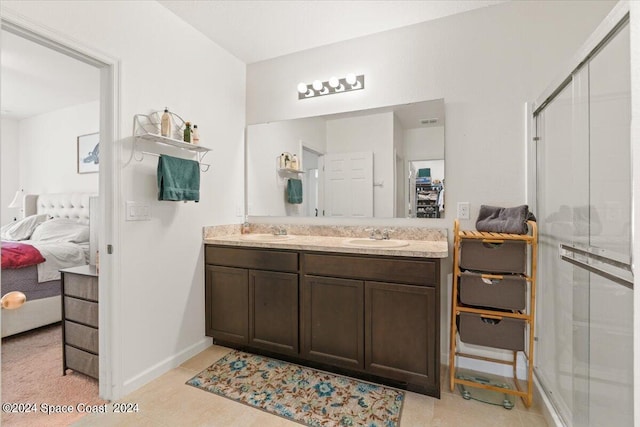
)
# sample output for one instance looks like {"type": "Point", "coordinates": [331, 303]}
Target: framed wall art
{"type": "Point", "coordinates": [89, 153]}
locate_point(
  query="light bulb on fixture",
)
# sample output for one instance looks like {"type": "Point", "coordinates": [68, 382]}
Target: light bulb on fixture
{"type": "Point", "coordinates": [334, 82]}
{"type": "Point", "coordinates": [351, 79]}
{"type": "Point", "coordinates": [302, 88]}
{"type": "Point", "coordinates": [317, 85]}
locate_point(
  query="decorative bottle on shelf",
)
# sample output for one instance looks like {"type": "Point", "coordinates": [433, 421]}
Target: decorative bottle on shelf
{"type": "Point", "coordinates": [294, 162]}
{"type": "Point", "coordinates": [187, 132]}
{"type": "Point", "coordinates": [165, 123]}
{"type": "Point", "coordinates": [195, 135]}
{"type": "Point", "coordinates": [283, 161]}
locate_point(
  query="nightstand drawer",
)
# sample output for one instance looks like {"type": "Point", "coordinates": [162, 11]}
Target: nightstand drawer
{"type": "Point", "coordinates": [81, 311]}
{"type": "Point", "coordinates": [80, 286]}
{"type": "Point", "coordinates": [81, 336]}
{"type": "Point", "coordinates": [82, 361]}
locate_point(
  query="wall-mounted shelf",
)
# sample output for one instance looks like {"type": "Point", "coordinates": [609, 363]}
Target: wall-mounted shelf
{"type": "Point", "coordinates": [147, 128]}
{"type": "Point", "coordinates": [173, 142]}
{"type": "Point", "coordinates": [289, 170]}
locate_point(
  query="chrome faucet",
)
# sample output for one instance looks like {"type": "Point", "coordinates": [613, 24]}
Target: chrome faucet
{"type": "Point", "coordinates": [377, 234]}
{"type": "Point", "coordinates": [279, 230]}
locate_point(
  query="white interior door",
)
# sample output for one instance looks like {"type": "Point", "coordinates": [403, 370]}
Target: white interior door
{"type": "Point", "coordinates": [348, 189]}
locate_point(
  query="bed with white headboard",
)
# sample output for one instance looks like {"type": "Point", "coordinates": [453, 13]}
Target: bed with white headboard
{"type": "Point", "coordinates": [66, 238]}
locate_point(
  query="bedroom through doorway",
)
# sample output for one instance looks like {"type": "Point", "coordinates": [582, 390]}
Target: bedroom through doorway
{"type": "Point", "coordinates": [50, 204]}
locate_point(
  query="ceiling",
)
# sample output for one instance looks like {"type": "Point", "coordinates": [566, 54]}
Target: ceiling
{"type": "Point", "coordinates": [36, 79]}
{"type": "Point", "coordinates": [258, 30]}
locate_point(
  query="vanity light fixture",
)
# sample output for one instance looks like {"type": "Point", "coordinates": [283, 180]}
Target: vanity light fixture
{"type": "Point", "coordinates": [333, 85]}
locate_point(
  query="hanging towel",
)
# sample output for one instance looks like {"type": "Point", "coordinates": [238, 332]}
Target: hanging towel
{"type": "Point", "coordinates": [294, 191]}
{"type": "Point", "coordinates": [504, 220]}
{"type": "Point", "coordinates": [178, 179]}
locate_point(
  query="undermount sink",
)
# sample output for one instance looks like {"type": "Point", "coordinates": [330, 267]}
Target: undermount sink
{"type": "Point", "coordinates": [266, 237]}
{"type": "Point", "coordinates": [373, 243]}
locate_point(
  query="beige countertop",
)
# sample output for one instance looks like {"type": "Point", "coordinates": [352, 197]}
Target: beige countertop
{"type": "Point", "coordinates": [415, 248]}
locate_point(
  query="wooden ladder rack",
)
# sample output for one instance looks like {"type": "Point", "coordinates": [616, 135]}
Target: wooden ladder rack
{"type": "Point", "coordinates": [527, 315]}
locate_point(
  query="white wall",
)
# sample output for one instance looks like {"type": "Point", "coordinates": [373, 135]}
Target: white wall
{"type": "Point", "coordinates": [48, 150]}
{"type": "Point", "coordinates": [485, 64]}
{"type": "Point", "coordinates": [369, 133]}
{"type": "Point", "coordinates": [163, 62]}
{"type": "Point", "coordinates": [9, 168]}
{"type": "Point", "coordinates": [424, 143]}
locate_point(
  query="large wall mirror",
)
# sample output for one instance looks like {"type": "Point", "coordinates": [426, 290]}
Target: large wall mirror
{"type": "Point", "coordinates": [383, 163]}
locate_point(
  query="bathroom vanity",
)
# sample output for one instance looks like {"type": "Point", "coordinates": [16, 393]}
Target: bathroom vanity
{"type": "Point", "coordinates": [369, 312]}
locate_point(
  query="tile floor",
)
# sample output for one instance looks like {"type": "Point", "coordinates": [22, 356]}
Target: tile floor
{"type": "Point", "coordinates": [168, 401]}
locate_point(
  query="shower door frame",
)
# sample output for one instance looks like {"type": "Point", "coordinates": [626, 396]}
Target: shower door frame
{"type": "Point", "coordinates": [621, 13]}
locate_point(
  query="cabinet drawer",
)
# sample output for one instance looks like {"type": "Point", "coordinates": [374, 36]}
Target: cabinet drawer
{"type": "Point", "coordinates": [506, 292]}
{"type": "Point", "coordinates": [503, 257]}
{"type": "Point", "coordinates": [81, 361]}
{"type": "Point", "coordinates": [251, 258]}
{"type": "Point", "coordinates": [81, 336]}
{"type": "Point", "coordinates": [374, 268]}
{"type": "Point", "coordinates": [81, 311]}
{"type": "Point", "coordinates": [506, 333]}
{"type": "Point", "coordinates": [85, 287]}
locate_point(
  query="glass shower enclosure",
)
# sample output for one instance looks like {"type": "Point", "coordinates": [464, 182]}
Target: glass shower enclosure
{"type": "Point", "coordinates": [584, 350]}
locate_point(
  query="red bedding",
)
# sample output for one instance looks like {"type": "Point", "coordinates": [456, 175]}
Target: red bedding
{"type": "Point", "coordinates": [18, 255]}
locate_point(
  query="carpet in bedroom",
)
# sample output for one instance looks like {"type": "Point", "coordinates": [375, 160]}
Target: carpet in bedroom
{"type": "Point", "coordinates": [32, 373]}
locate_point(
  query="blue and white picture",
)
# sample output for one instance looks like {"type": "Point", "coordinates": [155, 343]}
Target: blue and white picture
{"type": "Point", "coordinates": [89, 153]}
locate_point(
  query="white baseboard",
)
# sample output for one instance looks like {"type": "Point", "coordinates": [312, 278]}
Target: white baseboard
{"type": "Point", "coordinates": [548, 411]}
{"type": "Point", "coordinates": [164, 366]}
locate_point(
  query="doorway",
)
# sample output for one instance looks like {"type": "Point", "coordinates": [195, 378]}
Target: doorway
{"type": "Point", "coordinates": [106, 181]}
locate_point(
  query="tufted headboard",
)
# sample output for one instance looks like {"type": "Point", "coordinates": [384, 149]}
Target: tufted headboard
{"type": "Point", "coordinates": [60, 205]}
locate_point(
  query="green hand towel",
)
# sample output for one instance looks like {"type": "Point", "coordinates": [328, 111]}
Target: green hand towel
{"type": "Point", "coordinates": [294, 191]}
{"type": "Point", "coordinates": [424, 172]}
{"type": "Point", "coordinates": [178, 179]}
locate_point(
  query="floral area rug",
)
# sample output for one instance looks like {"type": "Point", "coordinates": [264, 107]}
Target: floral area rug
{"type": "Point", "coordinates": [301, 394]}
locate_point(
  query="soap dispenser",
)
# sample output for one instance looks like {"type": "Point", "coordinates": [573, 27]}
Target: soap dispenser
{"type": "Point", "coordinates": [195, 135]}
{"type": "Point", "coordinates": [294, 162]}
{"type": "Point", "coordinates": [165, 123]}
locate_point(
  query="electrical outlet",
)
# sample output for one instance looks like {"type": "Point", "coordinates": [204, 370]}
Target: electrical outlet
{"type": "Point", "coordinates": [463, 210]}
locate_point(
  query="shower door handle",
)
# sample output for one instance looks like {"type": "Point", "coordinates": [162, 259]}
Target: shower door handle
{"type": "Point", "coordinates": [569, 256]}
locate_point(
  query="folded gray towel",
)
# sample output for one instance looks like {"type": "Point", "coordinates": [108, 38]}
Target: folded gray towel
{"type": "Point", "coordinates": [504, 220]}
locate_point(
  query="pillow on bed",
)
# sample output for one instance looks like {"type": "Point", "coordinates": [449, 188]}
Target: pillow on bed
{"type": "Point", "coordinates": [22, 230]}
{"type": "Point", "coordinates": [61, 230]}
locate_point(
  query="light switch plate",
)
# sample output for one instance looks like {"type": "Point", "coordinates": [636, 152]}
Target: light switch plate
{"type": "Point", "coordinates": [138, 211]}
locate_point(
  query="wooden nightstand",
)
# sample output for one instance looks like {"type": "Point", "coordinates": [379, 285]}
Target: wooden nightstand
{"type": "Point", "coordinates": [80, 320]}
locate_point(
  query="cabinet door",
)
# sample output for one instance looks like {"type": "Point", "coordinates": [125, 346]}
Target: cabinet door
{"type": "Point", "coordinates": [333, 321]}
{"type": "Point", "coordinates": [273, 311]}
{"type": "Point", "coordinates": [401, 340]}
{"type": "Point", "coordinates": [227, 303]}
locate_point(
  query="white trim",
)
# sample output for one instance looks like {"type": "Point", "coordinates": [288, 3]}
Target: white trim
{"type": "Point", "coordinates": [110, 383]}
{"type": "Point", "coordinates": [548, 411]}
{"type": "Point", "coordinates": [165, 366]}
{"type": "Point", "coordinates": [608, 23]}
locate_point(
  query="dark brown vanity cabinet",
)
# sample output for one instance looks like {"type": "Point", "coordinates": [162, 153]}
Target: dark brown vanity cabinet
{"type": "Point", "coordinates": [248, 306]}
{"type": "Point", "coordinates": [333, 321]}
{"type": "Point", "coordinates": [227, 302]}
{"type": "Point", "coordinates": [380, 315]}
{"type": "Point", "coordinates": [371, 316]}
{"type": "Point", "coordinates": [273, 311]}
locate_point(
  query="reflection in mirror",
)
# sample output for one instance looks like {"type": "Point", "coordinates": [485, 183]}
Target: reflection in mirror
{"type": "Point", "coordinates": [384, 162]}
